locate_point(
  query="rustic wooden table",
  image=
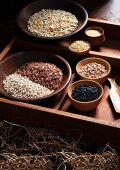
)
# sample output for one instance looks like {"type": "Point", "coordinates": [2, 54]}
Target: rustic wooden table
{"type": "Point", "coordinates": [104, 9]}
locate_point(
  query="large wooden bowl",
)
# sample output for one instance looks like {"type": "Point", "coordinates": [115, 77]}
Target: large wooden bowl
{"type": "Point", "coordinates": [14, 61]}
{"type": "Point", "coordinates": [67, 5]}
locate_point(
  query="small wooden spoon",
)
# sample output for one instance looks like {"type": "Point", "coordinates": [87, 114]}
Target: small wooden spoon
{"type": "Point", "coordinates": [115, 94]}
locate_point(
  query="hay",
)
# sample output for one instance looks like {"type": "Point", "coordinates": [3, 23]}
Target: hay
{"type": "Point", "coordinates": [41, 149]}
{"type": "Point", "coordinates": [105, 161]}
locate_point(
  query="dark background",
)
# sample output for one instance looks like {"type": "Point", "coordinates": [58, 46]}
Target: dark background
{"type": "Point", "coordinates": [104, 9]}
{"type": "Point", "coordinates": [10, 8]}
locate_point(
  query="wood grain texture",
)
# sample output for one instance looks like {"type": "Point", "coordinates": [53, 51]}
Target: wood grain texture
{"type": "Point", "coordinates": [108, 10]}
{"type": "Point", "coordinates": [92, 128]}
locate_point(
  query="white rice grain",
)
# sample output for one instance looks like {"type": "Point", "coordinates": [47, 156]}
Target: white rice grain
{"type": "Point", "coordinates": [21, 87]}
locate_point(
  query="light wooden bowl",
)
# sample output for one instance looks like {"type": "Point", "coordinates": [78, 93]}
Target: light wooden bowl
{"type": "Point", "coordinates": [14, 61]}
{"type": "Point", "coordinates": [83, 62]}
{"type": "Point", "coordinates": [85, 106]}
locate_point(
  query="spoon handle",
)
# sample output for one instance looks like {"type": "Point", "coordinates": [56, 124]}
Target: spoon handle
{"type": "Point", "coordinates": [114, 95]}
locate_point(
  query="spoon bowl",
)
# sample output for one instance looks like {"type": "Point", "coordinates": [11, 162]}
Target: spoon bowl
{"type": "Point", "coordinates": [115, 93]}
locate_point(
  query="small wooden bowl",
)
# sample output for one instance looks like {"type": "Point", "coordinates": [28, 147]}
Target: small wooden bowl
{"type": "Point", "coordinates": [14, 61]}
{"type": "Point", "coordinates": [79, 47]}
{"type": "Point", "coordinates": [83, 62]}
{"type": "Point", "coordinates": [85, 106]}
{"type": "Point", "coordinates": [95, 35]}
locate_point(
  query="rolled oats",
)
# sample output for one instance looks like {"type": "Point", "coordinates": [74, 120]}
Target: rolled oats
{"type": "Point", "coordinates": [52, 23]}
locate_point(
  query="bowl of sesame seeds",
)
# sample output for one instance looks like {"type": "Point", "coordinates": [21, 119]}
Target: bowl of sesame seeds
{"type": "Point", "coordinates": [29, 76]}
{"type": "Point", "coordinates": [93, 68]}
{"type": "Point", "coordinates": [46, 19]}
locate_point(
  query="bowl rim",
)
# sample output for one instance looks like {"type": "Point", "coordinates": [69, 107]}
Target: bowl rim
{"type": "Point", "coordinates": [46, 96]}
{"type": "Point", "coordinates": [51, 38]}
{"type": "Point", "coordinates": [94, 58]}
{"type": "Point", "coordinates": [89, 102]}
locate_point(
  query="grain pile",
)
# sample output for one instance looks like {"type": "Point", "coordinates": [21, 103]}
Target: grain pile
{"type": "Point", "coordinates": [52, 23]}
{"type": "Point", "coordinates": [33, 80]}
{"type": "Point", "coordinates": [93, 33]}
{"type": "Point", "coordinates": [41, 149]}
{"type": "Point", "coordinates": [79, 46]}
{"type": "Point", "coordinates": [21, 87]}
{"type": "Point", "coordinates": [93, 70]}
{"type": "Point", "coordinates": [45, 74]}
{"type": "Point", "coordinates": [85, 93]}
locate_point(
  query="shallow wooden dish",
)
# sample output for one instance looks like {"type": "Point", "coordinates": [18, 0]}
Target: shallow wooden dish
{"type": "Point", "coordinates": [14, 61]}
{"type": "Point", "coordinates": [66, 5]}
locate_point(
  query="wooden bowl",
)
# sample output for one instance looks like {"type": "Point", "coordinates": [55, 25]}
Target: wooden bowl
{"type": "Point", "coordinates": [103, 62]}
{"type": "Point", "coordinates": [84, 106]}
{"type": "Point", "coordinates": [66, 5]}
{"type": "Point", "coordinates": [95, 35]}
{"type": "Point", "coordinates": [79, 47]}
{"type": "Point", "coordinates": [14, 61]}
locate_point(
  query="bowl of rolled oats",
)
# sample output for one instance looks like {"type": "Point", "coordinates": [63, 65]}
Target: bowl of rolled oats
{"type": "Point", "coordinates": [29, 76]}
{"type": "Point", "coordinates": [48, 19]}
{"type": "Point", "coordinates": [93, 68]}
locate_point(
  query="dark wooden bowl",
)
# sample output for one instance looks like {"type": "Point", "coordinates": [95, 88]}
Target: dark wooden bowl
{"type": "Point", "coordinates": [14, 61]}
{"type": "Point", "coordinates": [66, 5]}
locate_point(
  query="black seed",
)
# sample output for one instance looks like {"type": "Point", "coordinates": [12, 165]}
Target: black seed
{"type": "Point", "coordinates": [85, 93]}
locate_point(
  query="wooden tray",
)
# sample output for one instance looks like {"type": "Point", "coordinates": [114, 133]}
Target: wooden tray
{"type": "Point", "coordinates": [101, 125]}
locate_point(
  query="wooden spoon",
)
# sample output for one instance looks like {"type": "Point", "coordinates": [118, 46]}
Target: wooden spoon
{"type": "Point", "coordinates": [115, 94]}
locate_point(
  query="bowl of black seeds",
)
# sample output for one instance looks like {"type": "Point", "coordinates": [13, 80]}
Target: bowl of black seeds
{"type": "Point", "coordinates": [85, 95]}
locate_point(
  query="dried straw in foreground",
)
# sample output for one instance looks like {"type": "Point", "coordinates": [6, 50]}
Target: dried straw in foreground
{"type": "Point", "coordinates": [41, 149]}
{"type": "Point", "coordinates": [105, 161]}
